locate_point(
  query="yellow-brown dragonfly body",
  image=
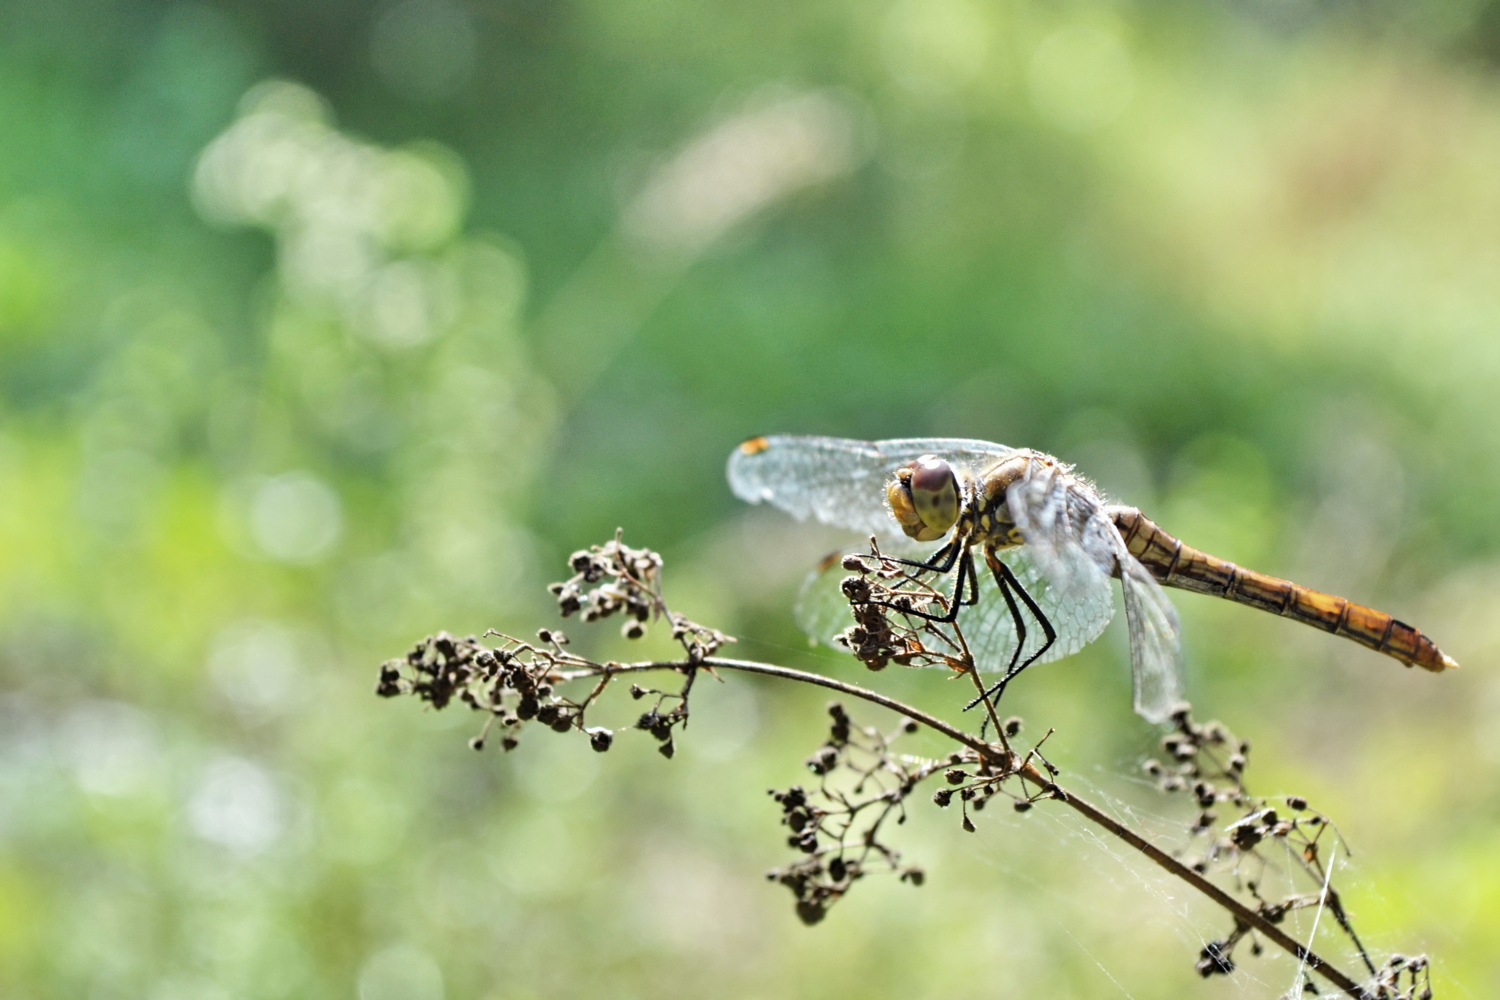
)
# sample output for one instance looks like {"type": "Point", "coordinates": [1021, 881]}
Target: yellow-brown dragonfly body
{"type": "Point", "coordinates": [1177, 565]}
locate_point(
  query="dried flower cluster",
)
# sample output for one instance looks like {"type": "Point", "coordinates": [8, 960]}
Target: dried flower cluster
{"type": "Point", "coordinates": [517, 682]}
{"type": "Point", "coordinates": [837, 826]}
{"type": "Point", "coordinates": [879, 585]}
{"type": "Point", "coordinates": [1208, 762]}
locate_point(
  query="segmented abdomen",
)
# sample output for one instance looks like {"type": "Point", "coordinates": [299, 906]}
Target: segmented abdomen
{"type": "Point", "coordinates": [1177, 565]}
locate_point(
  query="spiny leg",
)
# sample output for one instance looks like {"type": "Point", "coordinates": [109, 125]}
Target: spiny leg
{"type": "Point", "coordinates": [966, 574]}
{"type": "Point", "coordinates": [1007, 580]}
{"type": "Point", "coordinates": [1020, 626]}
{"type": "Point", "coordinates": [940, 561]}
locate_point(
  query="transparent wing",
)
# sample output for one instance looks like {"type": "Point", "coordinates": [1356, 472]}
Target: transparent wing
{"type": "Point", "coordinates": [838, 480]}
{"type": "Point", "coordinates": [1066, 533]}
{"type": "Point", "coordinates": [1076, 546]}
{"type": "Point", "coordinates": [1078, 615]}
{"type": "Point", "coordinates": [1155, 641]}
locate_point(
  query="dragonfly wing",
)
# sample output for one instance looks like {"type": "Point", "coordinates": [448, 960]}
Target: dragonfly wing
{"type": "Point", "coordinates": [1078, 614]}
{"type": "Point", "coordinates": [1076, 545]}
{"type": "Point", "coordinates": [1155, 640]}
{"type": "Point", "coordinates": [822, 610]}
{"type": "Point", "coordinates": [1065, 532]}
{"type": "Point", "coordinates": [837, 480]}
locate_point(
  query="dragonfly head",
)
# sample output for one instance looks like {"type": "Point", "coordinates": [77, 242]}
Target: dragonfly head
{"type": "Point", "coordinates": [924, 498]}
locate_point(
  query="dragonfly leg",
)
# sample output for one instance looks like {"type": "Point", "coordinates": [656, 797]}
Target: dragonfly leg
{"type": "Point", "coordinates": [967, 575]}
{"type": "Point", "coordinates": [1019, 621]}
{"type": "Point", "coordinates": [940, 561]}
{"type": "Point", "coordinates": [1008, 583]}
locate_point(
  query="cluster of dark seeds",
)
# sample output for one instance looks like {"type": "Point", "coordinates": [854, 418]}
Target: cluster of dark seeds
{"type": "Point", "coordinates": [870, 638]}
{"type": "Point", "coordinates": [1414, 969]}
{"type": "Point", "coordinates": [517, 682]}
{"type": "Point", "coordinates": [974, 781]}
{"type": "Point", "coordinates": [837, 826]}
{"type": "Point", "coordinates": [514, 682]}
{"type": "Point", "coordinates": [660, 720]}
{"type": "Point", "coordinates": [1207, 762]}
{"type": "Point", "coordinates": [612, 579]}
{"type": "Point", "coordinates": [879, 586]}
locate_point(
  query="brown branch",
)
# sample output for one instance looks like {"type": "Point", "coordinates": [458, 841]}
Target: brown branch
{"type": "Point", "coordinates": [1025, 770]}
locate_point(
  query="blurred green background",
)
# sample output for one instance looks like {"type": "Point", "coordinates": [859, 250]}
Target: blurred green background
{"type": "Point", "coordinates": [326, 325]}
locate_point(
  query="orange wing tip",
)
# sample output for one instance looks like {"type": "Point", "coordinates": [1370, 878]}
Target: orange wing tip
{"type": "Point", "coordinates": [754, 446]}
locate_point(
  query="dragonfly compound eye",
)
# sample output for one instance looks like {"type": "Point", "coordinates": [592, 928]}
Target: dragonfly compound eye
{"type": "Point", "coordinates": [924, 498]}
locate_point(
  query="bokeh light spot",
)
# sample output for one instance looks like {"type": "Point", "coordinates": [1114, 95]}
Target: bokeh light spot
{"type": "Point", "coordinates": [254, 665]}
{"type": "Point", "coordinates": [236, 804]}
{"type": "Point", "coordinates": [934, 48]}
{"type": "Point", "coordinates": [400, 972]}
{"type": "Point", "coordinates": [295, 517]}
{"type": "Point", "coordinates": [1081, 78]}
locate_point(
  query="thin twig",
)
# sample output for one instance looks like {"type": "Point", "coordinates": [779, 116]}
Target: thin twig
{"type": "Point", "coordinates": [1027, 772]}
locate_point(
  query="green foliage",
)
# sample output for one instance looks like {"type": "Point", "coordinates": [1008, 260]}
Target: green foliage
{"type": "Point", "coordinates": [323, 327]}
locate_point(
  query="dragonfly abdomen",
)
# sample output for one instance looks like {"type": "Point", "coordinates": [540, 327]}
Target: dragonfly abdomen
{"type": "Point", "coordinates": [1178, 565]}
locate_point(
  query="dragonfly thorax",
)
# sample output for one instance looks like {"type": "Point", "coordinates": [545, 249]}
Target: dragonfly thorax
{"type": "Point", "coordinates": [991, 514]}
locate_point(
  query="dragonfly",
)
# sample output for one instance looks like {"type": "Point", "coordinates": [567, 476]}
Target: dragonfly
{"type": "Point", "coordinates": [1048, 540]}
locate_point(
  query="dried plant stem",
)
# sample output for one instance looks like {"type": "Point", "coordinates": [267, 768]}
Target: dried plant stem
{"type": "Point", "coordinates": [1240, 911]}
{"type": "Point", "coordinates": [1006, 760]}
